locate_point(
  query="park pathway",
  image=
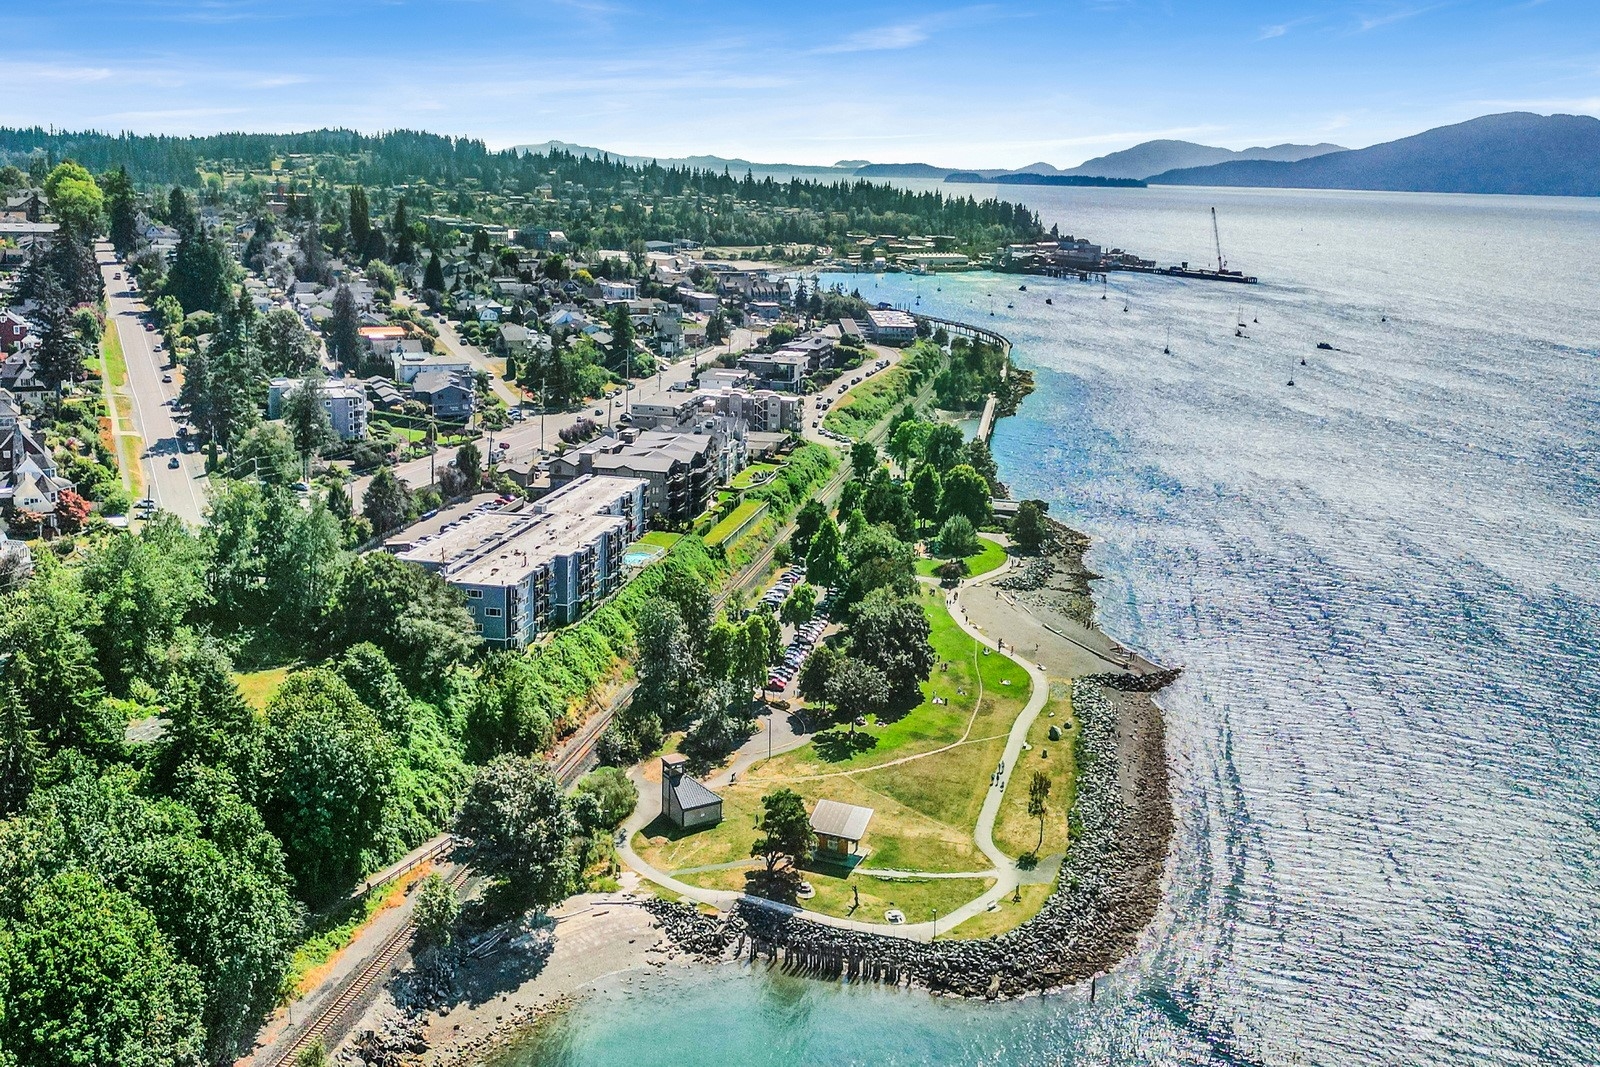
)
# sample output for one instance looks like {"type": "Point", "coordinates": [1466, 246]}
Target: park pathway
{"type": "Point", "coordinates": [1007, 875]}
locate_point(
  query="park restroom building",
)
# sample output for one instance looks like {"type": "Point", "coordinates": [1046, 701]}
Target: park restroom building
{"type": "Point", "coordinates": [684, 801]}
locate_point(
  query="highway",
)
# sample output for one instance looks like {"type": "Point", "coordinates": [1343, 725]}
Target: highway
{"type": "Point", "coordinates": [181, 489]}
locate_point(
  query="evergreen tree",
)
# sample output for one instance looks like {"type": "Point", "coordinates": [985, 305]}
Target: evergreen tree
{"type": "Point", "coordinates": [307, 418]}
{"type": "Point", "coordinates": [344, 331]}
{"type": "Point", "coordinates": [121, 209]}
{"type": "Point", "coordinates": [405, 248]}
{"type": "Point", "coordinates": [387, 502]}
{"type": "Point", "coordinates": [360, 219]}
{"type": "Point", "coordinates": [433, 276]}
{"type": "Point", "coordinates": [60, 345]}
{"type": "Point", "coordinates": [621, 340]}
{"type": "Point", "coordinates": [926, 493]}
{"type": "Point", "coordinates": [180, 213]}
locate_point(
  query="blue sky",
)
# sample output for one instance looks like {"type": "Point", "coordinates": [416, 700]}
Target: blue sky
{"type": "Point", "coordinates": [958, 84]}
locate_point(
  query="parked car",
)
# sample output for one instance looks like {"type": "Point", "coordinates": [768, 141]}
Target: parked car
{"type": "Point", "coordinates": [173, 462]}
{"type": "Point", "coordinates": [166, 377]}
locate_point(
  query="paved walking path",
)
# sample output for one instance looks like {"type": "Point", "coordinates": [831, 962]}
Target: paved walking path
{"type": "Point", "coordinates": [1007, 875]}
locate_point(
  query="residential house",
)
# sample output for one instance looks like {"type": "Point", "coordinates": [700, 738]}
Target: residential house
{"type": "Point", "coordinates": [449, 395]}
{"type": "Point", "coordinates": [28, 478]}
{"type": "Point", "coordinates": [30, 205]}
{"type": "Point", "coordinates": [13, 328]}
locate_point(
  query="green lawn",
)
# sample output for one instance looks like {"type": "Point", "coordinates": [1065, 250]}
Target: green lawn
{"type": "Point", "coordinates": [1006, 916]}
{"type": "Point", "coordinates": [990, 555]}
{"type": "Point", "coordinates": [736, 519]}
{"type": "Point", "coordinates": [258, 687]}
{"type": "Point", "coordinates": [660, 538]}
{"type": "Point", "coordinates": [752, 474]}
{"type": "Point", "coordinates": [924, 809]}
{"type": "Point", "coordinates": [1015, 831]}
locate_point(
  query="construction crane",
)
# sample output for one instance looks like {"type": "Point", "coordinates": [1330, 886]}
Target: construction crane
{"type": "Point", "coordinates": [1216, 235]}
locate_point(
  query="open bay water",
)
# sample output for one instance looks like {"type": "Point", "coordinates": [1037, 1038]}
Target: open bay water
{"type": "Point", "coordinates": [1384, 584]}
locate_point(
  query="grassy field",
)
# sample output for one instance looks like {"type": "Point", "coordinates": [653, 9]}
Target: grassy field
{"type": "Point", "coordinates": [1006, 916]}
{"type": "Point", "coordinates": [1015, 831]}
{"type": "Point", "coordinates": [257, 687]}
{"type": "Point", "coordinates": [126, 445]}
{"type": "Point", "coordinates": [731, 525]}
{"type": "Point", "coordinates": [990, 555]}
{"type": "Point", "coordinates": [864, 406]}
{"type": "Point", "coordinates": [924, 809]}
{"type": "Point", "coordinates": [660, 538]}
{"type": "Point", "coordinates": [752, 474]}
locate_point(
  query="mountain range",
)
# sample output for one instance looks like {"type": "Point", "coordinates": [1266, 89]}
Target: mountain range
{"type": "Point", "coordinates": [1516, 152]}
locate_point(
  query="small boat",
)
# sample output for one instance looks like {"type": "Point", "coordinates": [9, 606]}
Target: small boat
{"type": "Point", "coordinates": [1166, 349]}
{"type": "Point", "coordinates": [1238, 333]}
{"type": "Point", "coordinates": [1009, 304]}
{"type": "Point", "coordinates": [1324, 346]}
{"type": "Point", "coordinates": [1047, 300]}
{"type": "Point", "coordinates": [1124, 307]}
{"type": "Point", "coordinates": [1022, 288]}
{"type": "Point", "coordinates": [1257, 321]}
{"type": "Point", "coordinates": [1302, 361]}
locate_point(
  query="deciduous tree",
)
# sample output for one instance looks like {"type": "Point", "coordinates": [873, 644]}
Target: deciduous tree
{"type": "Point", "coordinates": [517, 825]}
{"type": "Point", "coordinates": [785, 829]}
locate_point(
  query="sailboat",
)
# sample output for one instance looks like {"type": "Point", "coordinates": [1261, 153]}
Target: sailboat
{"type": "Point", "coordinates": [1291, 372]}
{"type": "Point", "coordinates": [1047, 300]}
{"type": "Point", "coordinates": [1105, 283]}
{"type": "Point", "coordinates": [1166, 350]}
{"type": "Point", "coordinates": [1124, 307]}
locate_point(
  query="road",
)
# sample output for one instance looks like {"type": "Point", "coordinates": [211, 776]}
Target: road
{"type": "Point", "coordinates": [181, 489]}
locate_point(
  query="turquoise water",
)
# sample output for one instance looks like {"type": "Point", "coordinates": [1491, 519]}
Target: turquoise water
{"type": "Point", "coordinates": [1385, 585]}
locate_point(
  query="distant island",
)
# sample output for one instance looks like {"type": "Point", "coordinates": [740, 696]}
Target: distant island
{"type": "Point", "coordinates": [1028, 178]}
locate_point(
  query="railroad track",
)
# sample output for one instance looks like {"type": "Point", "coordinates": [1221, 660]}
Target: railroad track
{"type": "Point", "coordinates": [372, 971]}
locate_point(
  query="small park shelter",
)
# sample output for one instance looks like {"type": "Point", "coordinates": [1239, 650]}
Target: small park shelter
{"type": "Point", "coordinates": [684, 801]}
{"type": "Point", "coordinates": [839, 827]}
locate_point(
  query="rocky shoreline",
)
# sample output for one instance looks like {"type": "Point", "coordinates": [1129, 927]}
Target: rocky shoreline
{"type": "Point", "coordinates": [1108, 891]}
{"type": "Point", "coordinates": [1109, 888]}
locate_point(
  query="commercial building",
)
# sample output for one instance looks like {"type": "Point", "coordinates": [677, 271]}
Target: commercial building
{"type": "Point", "coordinates": [408, 364]}
{"type": "Point", "coordinates": [345, 401]}
{"type": "Point", "coordinates": [524, 567]}
{"type": "Point", "coordinates": [887, 326]}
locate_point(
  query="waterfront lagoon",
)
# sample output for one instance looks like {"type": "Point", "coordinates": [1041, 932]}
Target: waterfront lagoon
{"type": "Point", "coordinates": [1384, 586]}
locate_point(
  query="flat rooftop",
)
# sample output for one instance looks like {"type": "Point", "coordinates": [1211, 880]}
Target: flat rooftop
{"type": "Point", "coordinates": [590, 495]}
{"type": "Point", "coordinates": [490, 546]}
